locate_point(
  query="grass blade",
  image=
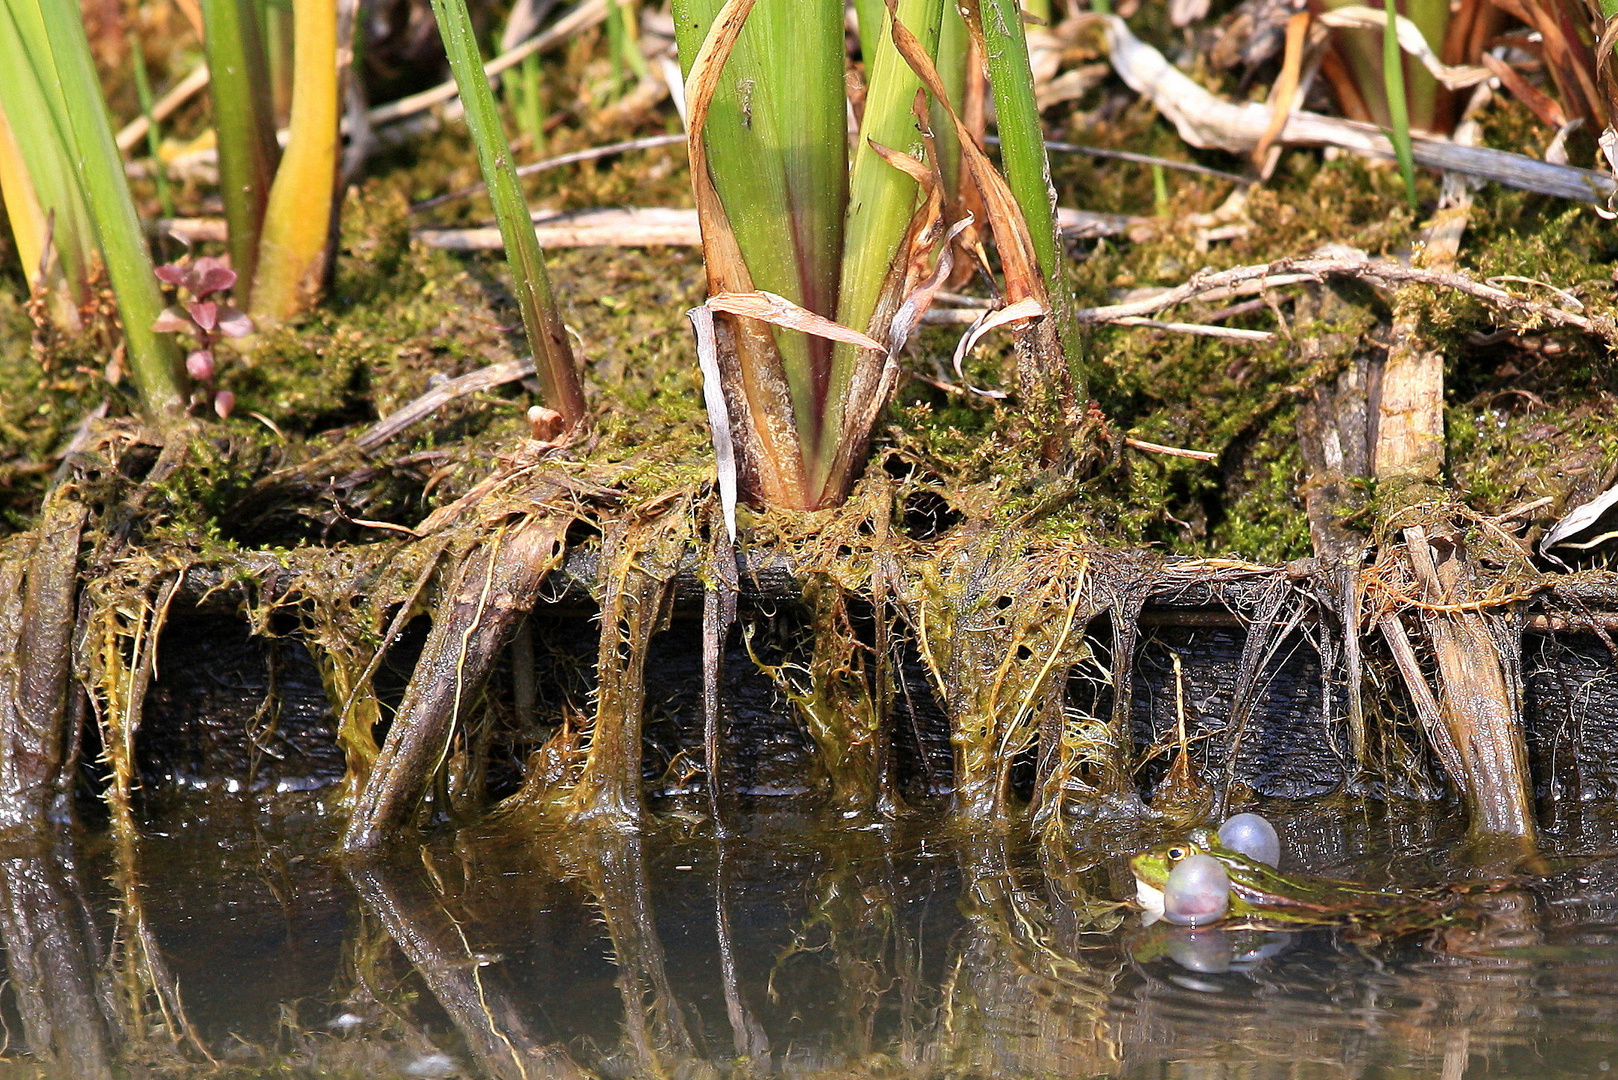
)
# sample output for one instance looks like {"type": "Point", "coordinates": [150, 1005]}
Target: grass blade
{"type": "Point", "coordinates": [154, 358]}
{"type": "Point", "coordinates": [244, 120]}
{"type": "Point", "coordinates": [774, 150]}
{"type": "Point", "coordinates": [1023, 160]}
{"type": "Point", "coordinates": [553, 356]}
{"type": "Point", "coordinates": [143, 90]}
{"type": "Point", "coordinates": [297, 217]}
{"type": "Point", "coordinates": [881, 198]}
{"type": "Point", "coordinates": [44, 167]}
{"type": "Point", "coordinates": [1393, 81]}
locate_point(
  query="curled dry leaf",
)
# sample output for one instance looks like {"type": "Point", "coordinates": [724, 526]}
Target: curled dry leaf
{"type": "Point", "coordinates": [1411, 40]}
{"type": "Point", "coordinates": [1575, 521]}
{"type": "Point", "coordinates": [1019, 264]}
{"type": "Point", "coordinates": [915, 305]}
{"type": "Point", "coordinates": [713, 396]}
{"type": "Point", "coordinates": [779, 311]}
{"type": "Point", "coordinates": [1027, 308]}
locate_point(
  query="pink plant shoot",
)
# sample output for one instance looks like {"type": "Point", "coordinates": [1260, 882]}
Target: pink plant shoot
{"type": "Point", "coordinates": [204, 318]}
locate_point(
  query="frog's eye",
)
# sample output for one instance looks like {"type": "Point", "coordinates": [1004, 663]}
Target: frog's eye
{"type": "Point", "coordinates": [1175, 854]}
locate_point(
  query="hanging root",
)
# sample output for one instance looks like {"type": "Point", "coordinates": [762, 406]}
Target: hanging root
{"type": "Point", "coordinates": [640, 555]}
{"type": "Point", "coordinates": [1000, 627]}
{"type": "Point", "coordinates": [492, 589]}
{"type": "Point", "coordinates": [1472, 710]}
{"type": "Point", "coordinates": [38, 583]}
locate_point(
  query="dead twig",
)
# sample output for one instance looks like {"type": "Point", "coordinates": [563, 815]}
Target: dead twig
{"type": "Point", "coordinates": [1169, 451]}
{"type": "Point", "coordinates": [1243, 280]}
{"type": "Point", "coordinates": [1208, 121]}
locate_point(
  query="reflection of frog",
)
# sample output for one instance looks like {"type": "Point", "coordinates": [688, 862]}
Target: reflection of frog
{"type": "Point", "coordinates": [1263, 897]}
{"type": "Point", "coordinates": [1212, 951]}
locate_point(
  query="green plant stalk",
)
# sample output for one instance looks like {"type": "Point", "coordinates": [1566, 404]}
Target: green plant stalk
{"type": "Point", "coordinates": [881, 200]}
{"type": "Point", "coordinates": [1398, 112]}
{"type": "Point", "coordinates": [1022, 159]}
{"type": "Point", "coordinates": [30, 229]}
{"type": "Point", "coordinates": [275, 20]}
{"type": "Point", "coordinates": [522, 89]}
{"type": "Point", "coordinates": [778, 157]}
{"type": "Point", "coordinates": [869, 15]}
{"type": "Point", "coordinates": [624, 40]}
{"type": "Point", "coordinates": [547, 337]}
{"type": "Point", "coordinates": [154, 358]}
{"type": "Point", "coordinates": [954, 46]}
{"type": "Point", "coordinates": [46, 164]}
{"type": "Point", "coordinates": [244, 121]}
{"type": "Point", "coordinates": [1364, 51]}
{"type": "Point", "coordinates": [143, 90]}
{"type": "Point", "coordinates": [1160, 189]}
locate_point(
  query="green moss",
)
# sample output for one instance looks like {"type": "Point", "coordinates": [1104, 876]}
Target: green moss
{"type": "Point", "coordinates": [401, 317]}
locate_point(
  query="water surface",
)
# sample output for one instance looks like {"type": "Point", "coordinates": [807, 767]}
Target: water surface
{"type": "Point", "coordinates": [802, 944]}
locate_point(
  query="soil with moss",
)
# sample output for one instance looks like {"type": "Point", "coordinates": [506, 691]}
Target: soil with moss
{"type": "Point", "coordinates": [1525, 409]}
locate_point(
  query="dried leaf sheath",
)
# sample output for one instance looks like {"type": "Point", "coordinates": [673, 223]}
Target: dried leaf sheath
{"type": "Point", "coordinates": [755, 382]}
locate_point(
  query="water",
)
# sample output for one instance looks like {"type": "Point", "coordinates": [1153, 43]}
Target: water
{"type": "Point", "coordinates": [801, 946]}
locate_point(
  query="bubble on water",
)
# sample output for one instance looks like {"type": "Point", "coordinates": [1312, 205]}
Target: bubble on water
{"type": "Point", "coordinates": [1197, 892]}
{"type": "Point", "coordinates": [1254, 837]}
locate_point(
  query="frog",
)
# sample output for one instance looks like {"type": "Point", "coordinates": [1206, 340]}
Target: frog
{"type": "Point", "coordinates": [1263, 897]}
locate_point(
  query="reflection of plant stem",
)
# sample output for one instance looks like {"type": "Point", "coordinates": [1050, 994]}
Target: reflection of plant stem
{"type": "Point", "coordinates": [144, 974]}
{"type": "Point", "coordinates": [747, 1034]}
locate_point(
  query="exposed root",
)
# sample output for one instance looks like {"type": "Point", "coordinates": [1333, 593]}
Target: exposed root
{"type": "Point", "coordinates": [38, 583]}
{"type": "Point", "coordinates": [491, 591]}
{"type": "Point", "coordinates": [1000, 628]}
{"type": "Point", "coordinates": [645, 549]}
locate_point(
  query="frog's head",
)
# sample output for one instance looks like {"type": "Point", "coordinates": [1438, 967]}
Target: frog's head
{"type": "Point", "coordinates": [1151, 868]}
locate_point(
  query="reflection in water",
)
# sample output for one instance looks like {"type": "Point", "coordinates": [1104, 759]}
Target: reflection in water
{"type": "Point", "coordinates": [611, 863]}
{"type": "Point", "coordinates": [51, 954]}
{"type": "Point", "coordinates": [795, 947]}
{"type": "Point", "coordinates": [467, 984]}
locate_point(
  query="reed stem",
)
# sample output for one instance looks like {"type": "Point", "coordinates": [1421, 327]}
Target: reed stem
{"type": "Point", "coordinates": [154, 358]}
{"type": "Point", "coordinates": [547, 336]}
{"type": "Point", "coordinates": [244, 121]}
{"type": "Point", "coordinates": [1023, 160]}
{"type": "Point", "coordinates": [1393, 81]}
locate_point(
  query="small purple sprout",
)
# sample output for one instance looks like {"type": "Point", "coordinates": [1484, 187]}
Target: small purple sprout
{"type": "Point", "coordinates": [205, 319]}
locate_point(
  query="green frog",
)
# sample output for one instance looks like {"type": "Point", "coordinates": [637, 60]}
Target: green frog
{"type": "Point", "coordinates": [1265, 898]}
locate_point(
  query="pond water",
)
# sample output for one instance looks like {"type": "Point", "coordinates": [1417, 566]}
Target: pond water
{"type": "Point", "coordinates": [800, 945]}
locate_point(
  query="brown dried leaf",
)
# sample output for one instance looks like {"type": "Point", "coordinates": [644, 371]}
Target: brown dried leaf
{"type": "Point", "coordinates": [779, 311]}
{"type": "Point", "coordinates": [1018, 262]}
